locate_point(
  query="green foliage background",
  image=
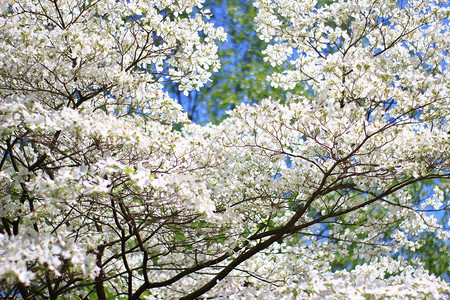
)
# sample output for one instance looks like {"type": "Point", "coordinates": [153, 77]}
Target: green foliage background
{"type": "Point", "coordinates": [242, 76]}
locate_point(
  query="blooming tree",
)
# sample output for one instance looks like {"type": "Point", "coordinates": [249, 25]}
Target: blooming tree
{"type": "Point", "coordinates": [103, 197]}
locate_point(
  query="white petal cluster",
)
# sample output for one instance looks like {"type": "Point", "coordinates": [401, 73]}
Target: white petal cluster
{"type": "Point", "coordinates": [105, 186]}
{"type": "Point", "coordinates": [87, 133]}
{"type": "Point", "coordinates": [29, 248]}
{"type": "Point", "coordinates": [380, 279]}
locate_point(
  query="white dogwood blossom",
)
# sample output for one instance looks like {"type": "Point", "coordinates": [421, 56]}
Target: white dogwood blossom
{"type": "Point", "coordinates": [108, 191]}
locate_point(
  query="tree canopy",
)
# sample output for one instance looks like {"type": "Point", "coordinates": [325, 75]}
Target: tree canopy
{"type": "Point", "coordinates": [329, 181]}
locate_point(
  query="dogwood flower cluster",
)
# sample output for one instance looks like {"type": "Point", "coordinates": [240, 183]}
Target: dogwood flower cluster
{"type": "Point", "coordinates": [19, 252]}
{"type": "Point", "coordinates": [367, 281]}
{"type": "Point", "coordinates": [107, 189]}
{"type": "Point", "coordinates": [84, 120]}
{"type": "Point", "coordinates": [360, 51]}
